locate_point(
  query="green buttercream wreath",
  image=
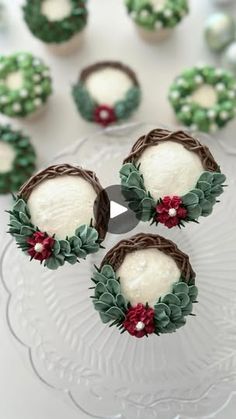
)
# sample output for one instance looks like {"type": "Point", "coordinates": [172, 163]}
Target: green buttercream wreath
{"type": "Point", "coordinates": [55, 31]}
{"type": "Point", "coordinates": [194, 115]}
{"type": "Point", "coordinates": [36, 84]}
{"type": "Point", "coordinates": [198, 202]}
{"type": "Point", "coordinates": [24, 162]}
{"type": "Point", "coordinates": [91, 111]}
{"type": "Point", "coordinates": [169, 311]}
{"type": "Point", "coordinates": [151, 18]}
{"type": "Point", "coordinates": [42, 247]}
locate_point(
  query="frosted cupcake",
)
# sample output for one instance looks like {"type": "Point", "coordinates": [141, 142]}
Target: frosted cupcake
{"type": "Point", "coordinates": [204, 98]}
{"type": "Point", "coordinates": [57, 23]}
{"type": "Point", "coordinates": [170, 178]}
{"type": "Point", "coordinates": [107, 92]}
{"type": "Point", "coordinates": [156, 19]}
{"type": "Point", "coordinates": [145, 285]}
{"type": "Point", "coordinates": [25, 85]}
{"type": "Point", "coordinates": [17, 159]}
{"type": "Point", "coordinates": [52, 219]}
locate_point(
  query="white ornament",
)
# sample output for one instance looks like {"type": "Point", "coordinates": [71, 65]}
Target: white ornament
{"type": "Point", "coordinates": [38, 247]}
{"type": "Point", "coordinates": [198, 79]}
{"type": "Point", "coordinates": [172, 212]}
{"type": "Point", "coordinates": [103, 114]}
{"type": "Point", "coordinates": [139, 326]}
{"type": "Point", "coordinates": [211, 114]}
{"type": "Point", "coordinates": [168, 13]}
{"type": "Point", "coordinates": [224, 115]}
{"type": "Point", "coordinates": [231, 94]}
{"type": "Point", "coordinates": [229, 57]}
{"type": "Point", "coordinates": [219, 31]}
{"type": "Point", "coordinates": [16, 107]}
{"type": "Point", "coordinates": [36, 77]}
{"type": "Point", "coordinates": [24, 93]}
{"type": "Point", "coordinates": [185, 109]}
{"type": "Point", "coordinates": [3, 99]}
{"type": "Point", "coordinates": [220, 87]}
{"type": "Point", "coordinates": [143, 14]}
{"type": "Point", "coordinates": [38, 89]}
{"type": "Point", "coordinates": [175, 94]}
{"type": "Point", "coordinates": [7, 157]}
{"type": "Point", "coordinates": [38, 102]}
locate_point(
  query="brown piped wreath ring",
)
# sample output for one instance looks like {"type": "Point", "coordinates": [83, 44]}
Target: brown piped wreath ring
{"type": "Point", "coordinates": [141, 241]}
{"type": "Point", "coordinates": [158, 136]}
{"type": "Point", "coordinates": [51, 172]}
{"type": "Point", "coordinates": [108, 64]}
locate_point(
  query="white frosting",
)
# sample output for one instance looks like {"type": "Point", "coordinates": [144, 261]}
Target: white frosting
{"type": "Point", "coordinates": [56, 10]}
{"type": "Point", "coordinates": [7, 157]}
{"type": "Point", "coordinates": [108, 85]}
{"type": "Point", "coordinates": [60, 205]}
{"type": "Point", "coordinates": [147, 274]}
{"type": "Point", "coordinates": [158, 4]}
{"type": "Point", "coordinates": [169, 169]}
{"type": "Point", "coordinates": [205, 96]}
{"type": "Point", "coordinates": [14, 80]}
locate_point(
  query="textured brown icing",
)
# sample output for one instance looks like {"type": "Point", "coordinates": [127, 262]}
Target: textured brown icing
{"type": "Point", "coordinates": [106, 64]}
{"type": "Point", "coordinates": [140, 241]}
{"type": "Point", "coordinates": [51, 172]}
{"type": "Point", "coordinates": [158, 136]}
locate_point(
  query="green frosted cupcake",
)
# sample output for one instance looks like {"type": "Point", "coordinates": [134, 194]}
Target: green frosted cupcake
{"type": "Point", "coordinates": [25, 84]}
{"type": "Point", "coordinates": [155, 19]}
{"type": "Point", "coordinates": [17, 159]}
{"type": "Point", "coordinates": [57, 23]}
{"type": "Point", "coordinates": [107, 92]}
{"type": "Point", "coordinates": [204, 98]}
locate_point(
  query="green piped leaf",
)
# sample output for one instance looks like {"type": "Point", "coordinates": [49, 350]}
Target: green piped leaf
{"type": "Point", "coordinates": [190, 199]}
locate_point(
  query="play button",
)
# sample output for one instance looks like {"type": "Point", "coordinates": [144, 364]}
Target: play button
{"type": "Point", "coordinates": [121, 218]}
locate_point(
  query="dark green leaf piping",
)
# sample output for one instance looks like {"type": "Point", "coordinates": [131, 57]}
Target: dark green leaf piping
{"type": "Point", "coordinates": [198, 202]}
{"type": "Point", "coordinates": [24, 162]}
{"type": "Point", "coordinates": [170, 310]}
{"type": "Point", "coordinates": [58, 31]}
{"type": "Point", "coordinates": [85, 240]}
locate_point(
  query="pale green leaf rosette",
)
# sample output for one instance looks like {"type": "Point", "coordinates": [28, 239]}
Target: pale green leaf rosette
{"type": "Point", "coordinates": [31, 87]}
{"type": "Point", "coordinates": [71, 250]}
{"type": "Point", "coordinates": [57, 31]}
{"type": "Point", "coordinates": [145, 14]}
{"type": "Point", "coordinates": [101, 113]}
{"type": "Point", "coordinates": [23, 163]}
{"type": "Point", "coordinates": [201, 117]}
{"type": "Point", "coordinates": [168, 314]}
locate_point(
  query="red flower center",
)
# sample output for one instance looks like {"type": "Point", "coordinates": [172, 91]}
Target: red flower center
{"type": "Point", "coordinates": [170, 211]}
{"type": "Point", "coordinates": [139, 321]}
{"type": "Point", "coordinates": [41, 246]}
{"type": "Point", "coordinates": [104, 115]}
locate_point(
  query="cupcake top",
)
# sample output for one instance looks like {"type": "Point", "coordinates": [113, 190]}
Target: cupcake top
{"type": "Point", "coordinates": [145, 285]}
{"type": "Point", "coordinates": [25, 84]}
{"type": "Point", "coordinates": [204, 98]}
{"type": "Point", "coordinates": [171, 178]}
{"type": "Point", "coordinates": [55, 21]}
{"type": "Point", "coordinates": [17, 159]}
{"type": "Point", "coordinates": [52, 219]}
{"type": "Point", "coordinates": [157, 14]}
{"type": "Point", "coordinates": [106, 92]}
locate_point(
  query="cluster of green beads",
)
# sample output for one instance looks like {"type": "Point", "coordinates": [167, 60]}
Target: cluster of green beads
{"type": "Point", "coordinates": [122, 108]}
{"type": "Point", "coordinates": [55, 31]}
{"type": "Point", "coordinates": [198, 117]}
{"type": "Point", "coordinates": [24, 162]}
{"type": "Point", "coordinates": [36, 87]}
{"type": "Point", "coordinates": [151, 18]}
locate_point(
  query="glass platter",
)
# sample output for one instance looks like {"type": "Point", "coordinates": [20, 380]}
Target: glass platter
{"type": "Point", "coordinates": [189, 374]}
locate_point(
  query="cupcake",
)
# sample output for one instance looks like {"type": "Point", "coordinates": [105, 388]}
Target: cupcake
{"type": "Point", "coordinates": [170, 178]}
{"type": "Point", "coordinates": [107, 92]}
{"type": "Point", "coordinates": [52, 218]}
{"type": "Point", "coordinates": [25, 85]}
{"type": "Point", "coordinates": [204, 98]}
{"type": "Point", "coordinates": [145, 285]}
{"type": "Point", "coordinates": [156, 19]}
{"type": "Point", "coordinates": [57, 23]}
{"type": "Point", "coordinates": [17, 159]}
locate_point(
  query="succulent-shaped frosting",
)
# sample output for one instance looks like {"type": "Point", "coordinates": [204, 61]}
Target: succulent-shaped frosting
{"type": "Point", "coordinates": [96, 109]}
{"type": "Point", "coordinates": [25, 84]}
{"type": "Point", "coordinates": [204, 98]}
{"type": "Point", "coordinates": [155, 15]}
{"type": "Point", "coordinates": [56, 30]}
{"type": "Point", "coordinates": [46, 247]}
{"type": "Point", "coordinates": [23, 159]}
{"type": "Point", "coordinates": [168, 313]}
{"type": "Point", "coordinates": [171, 210]}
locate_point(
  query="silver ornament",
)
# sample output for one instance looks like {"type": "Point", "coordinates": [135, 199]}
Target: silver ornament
{"type": "Point", "coordinates": [229, 57]}
{"type": "Point", "coordinates": [219, 31]}
{"type": "Point", "coordinates": [223, 2]}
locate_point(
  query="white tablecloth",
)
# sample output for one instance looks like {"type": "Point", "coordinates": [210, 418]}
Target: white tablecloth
{"type": "Point", "coordinates": [110, 35]}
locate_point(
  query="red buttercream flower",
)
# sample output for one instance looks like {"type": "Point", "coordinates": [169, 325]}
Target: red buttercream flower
{"type": "Point", "coordinates": [139, 321]}
{"type": "Point", "coordinates": [40, 246]}
{"type": "Point", "coordinates": [104, 115]}
{"type": "Point", "coordinates": [170, 211]}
